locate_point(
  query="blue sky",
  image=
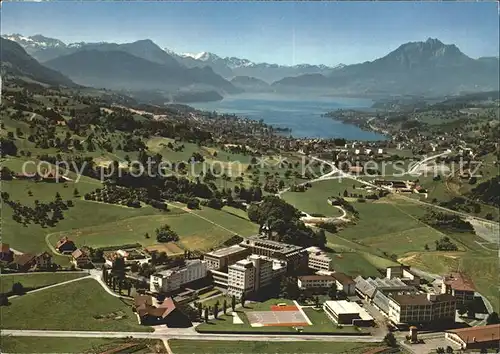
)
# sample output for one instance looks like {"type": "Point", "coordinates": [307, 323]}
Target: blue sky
{"type": "Point", "coordinates": [275, 32]}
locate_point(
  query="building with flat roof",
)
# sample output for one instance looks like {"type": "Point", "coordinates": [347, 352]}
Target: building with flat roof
{"type": "Point", "coordinates": [481, 337]}
{"type": "Point", "coordinates": [224, 257]}
{"type": "Point", "coordinates": [421, 308]}
{"type": "Point", "coordinates": [404, 273]}
{"type": "Point", "coordinates": [315, 281]}
{"type": "Point", "coordinates": [347, 313]}
{"type": "Point", "coordinates": [296, 257]}
{"type": "Point", "coordinates": [172, 279]}
{"type": "Point", "coordinates": [460, 286]}
{"type": "Point", "coordinates": [251, 274]}
{"type": "Point", "coordinates": [318, 260]}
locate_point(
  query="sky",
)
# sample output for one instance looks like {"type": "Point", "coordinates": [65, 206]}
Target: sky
{"type": "Point", "coordinates": [285, 33]}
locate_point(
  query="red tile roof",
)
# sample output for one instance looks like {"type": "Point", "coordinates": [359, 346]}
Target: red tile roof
{"type": "Point", "coordinates": [480, 333]}
{"type": "Point", "coordinates": [316, 277]}
{"type": "Point", "coordinates": [4, 247]}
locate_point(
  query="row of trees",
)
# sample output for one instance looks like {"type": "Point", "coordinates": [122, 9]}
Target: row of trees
{"type": "Point", "coordinates": [204, 311]}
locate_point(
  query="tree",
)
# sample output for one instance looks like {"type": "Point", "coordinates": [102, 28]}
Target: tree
{"type": "Point", "coordinates": [484, 351]}
{"type": "Point", "coordinates": [76, 193]}
{"type": "Point", "coordinates": [390, 340]}
{"type": "Point", "coordinates": [224, 306]}
{"type": "Point", "coordinates": [426, 247]}
{"type": "Point", "coordinates": [471, 310]}
{"type": "Point", "coordinates": [216, 310]}
{"type": "Point", "coordinates": [242, 299]}
{"type": "Point", "coordinates": [440, 350]}
{"type": "Point", "coordinates": [449, 349]}
{"type": "Point", "coordinates": [18, 288]}
{"type": "Point", "coordinates": [233, 303]}
{"type": "Point", "coordinates": [200, 309]}
{"type": "Point", "coordinates": [166, 234]}
{"type": "Point", "coordinates": [316, 302]}
{"type": "Point", "coordinates": [4, 300]}
{"type": "Point", "coordinates": [492, 318]}
{"type": "Point", "coordinates": [104, 274]}
{"type": "Point", "coordinates": [332, 292]}
{"type": "Point", "coordinates": [206, 314]}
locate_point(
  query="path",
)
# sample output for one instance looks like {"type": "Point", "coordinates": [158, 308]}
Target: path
{"type": "Point", "coordinates": [190, 334]}
{"type": "Point", "coordinates": [96, 275]}
{"type": "Point", "coordinates": [50, 286]}
{"type": "Point", "coordinates": [187, 210]}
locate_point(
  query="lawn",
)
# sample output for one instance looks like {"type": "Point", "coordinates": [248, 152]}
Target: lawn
{"type": "Point", "coordinates": [81, 306]}
{"type": "Point", "coordinates": [358, 263]}
{"type": "Point", "coordinates": [198, 230]}
{"type": "Point", "coordinates": [314, 200]}
{"type": "Point", "coordinates": [73, 345]}
{"type": "Point", "coordinates": [320, 322]}
{"type": "Point", "coordinates": [182, 346]}
{"type": "Point", "coordinates": [36, 280]}
{"type": "Point", "coordinates": [389, 227]}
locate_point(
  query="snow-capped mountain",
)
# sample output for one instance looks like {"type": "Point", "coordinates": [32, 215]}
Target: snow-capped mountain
{"type": "Point", "coordinates": [36, 42]}
{"type": "Point", "coordinates": [230, 67]}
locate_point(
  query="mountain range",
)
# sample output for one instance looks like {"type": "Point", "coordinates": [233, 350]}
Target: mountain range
{"type": "Point", "coordinates": [425, 68]}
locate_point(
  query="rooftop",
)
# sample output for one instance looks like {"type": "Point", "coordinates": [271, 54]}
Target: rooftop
{"type": "Point", "coordinates": [315, 277]}
{"type": "Point", "coordinates": [347, 307]}
{"type": "Point", "coordinates": [479, 334]}
{"type": "Point", "coordinates": [223, 252]}
{"type": "Point", "coordinates": [459, 281]}
{"type": "Point", "coordinates": [258, 241]}
{"type": "Point", "coordinates": [343, 278]}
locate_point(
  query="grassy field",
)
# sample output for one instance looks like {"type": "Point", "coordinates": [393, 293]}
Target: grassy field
{"type": "Point", "coordinates": [36, 280]}
{"type": "Point", "coordinates": [387, 225]}
{"type": "Point", "coordinates": [200, 229]}
{"type": "Point", "coordinates": [181, 346]}
{"type": "Point", "coordinates": [359, 263]}
{"type": "Point", "coordinates": [75, 345]}
{"type": "Point", "coordinates": [314, 200]}
{"type": "Point", "coordinates": [83, 305]}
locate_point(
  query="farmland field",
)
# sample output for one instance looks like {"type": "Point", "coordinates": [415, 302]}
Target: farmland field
{"type": "Point", "coordinates": [84, 305]}
{"type": "Point", "coordinates": [36, 280]}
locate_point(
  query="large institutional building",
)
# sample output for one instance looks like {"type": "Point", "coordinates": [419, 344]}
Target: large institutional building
{"type": "Point", "coordinates": [421, 308]}
{"type": "Point", "coordinates": [224, 257]}
{"type": "Point", "coordinates": [172, 279]}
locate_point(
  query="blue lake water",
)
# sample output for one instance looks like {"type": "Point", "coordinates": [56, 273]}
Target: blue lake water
{"type": "Point", "coordinates": [301, 114]}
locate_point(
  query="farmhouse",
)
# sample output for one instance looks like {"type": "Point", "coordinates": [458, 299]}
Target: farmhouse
{"type": "Point", "coordinates": [80, 258]}
{"type": "Point", "coordinates": [460, 286]}
{"type": "Point", "coordinates": [28, 261]}
{"type": "Point", "coordinates": [347, 313]}
{"type": "Point", "coordinates": [6, 254]}
{"type": "Point", "coordinates": [481, 337]}
{"type": "Point", "coordinates": [151, 312]}
{"type": "Point", "coordinates": [65, 246]}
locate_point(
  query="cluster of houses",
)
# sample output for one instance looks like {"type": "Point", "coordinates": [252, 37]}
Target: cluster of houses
{"type": "Point", "coordinates": [80, 257]}
{"type": "Point", "coordinates": [24, 262]}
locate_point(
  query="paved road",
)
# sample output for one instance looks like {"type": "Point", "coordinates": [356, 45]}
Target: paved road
{"type": "Point", "coordinates": [180, 333]}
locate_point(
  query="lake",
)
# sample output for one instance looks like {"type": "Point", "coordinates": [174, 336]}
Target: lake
{"type": "Point", "coordinates": [301, 114]}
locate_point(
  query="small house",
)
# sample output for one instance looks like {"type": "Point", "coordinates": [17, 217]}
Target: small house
{"type": "Point", "coordinates": [65, 246]}
{"type": "Point", "coordinates": [80, 258]}
{"type": "Point", "coordinates": [151, 312]}
{"type": "Point", "coordinates": [6, 254]}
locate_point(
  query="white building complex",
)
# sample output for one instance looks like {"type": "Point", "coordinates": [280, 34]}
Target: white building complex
{"type": "Point", "coordinates": [347, 313]}
{"type": "Point", "coordinates": [172, 279]}
{"type": "Point", "coordinates": [249, 275]}
{"type": "Point", "coordinates": [318, 260]}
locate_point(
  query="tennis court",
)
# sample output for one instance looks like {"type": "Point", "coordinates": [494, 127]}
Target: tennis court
{"type": "Point", "coordinates": [286, 316]}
